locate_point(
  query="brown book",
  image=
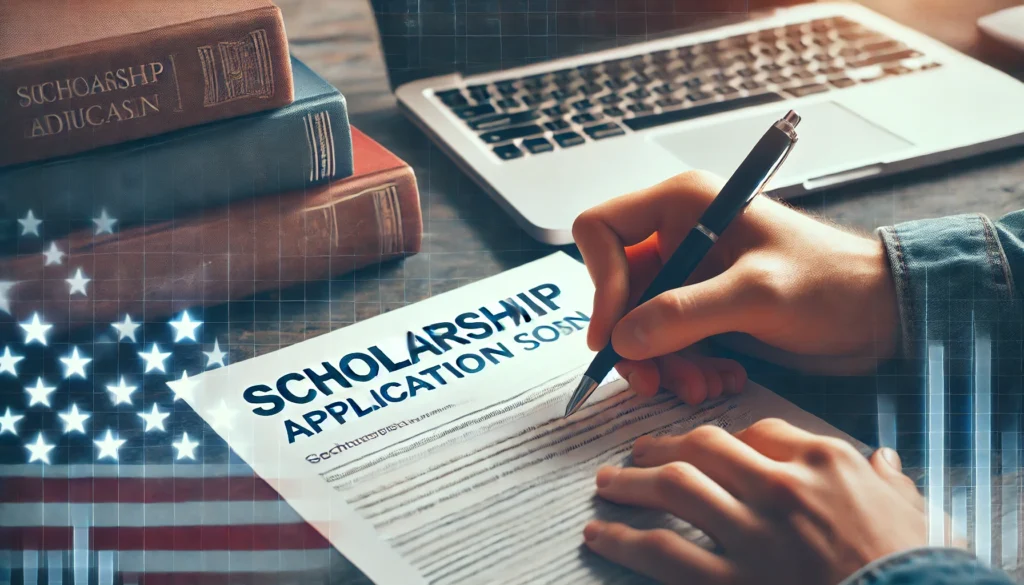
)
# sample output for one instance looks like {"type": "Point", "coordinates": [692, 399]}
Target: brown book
{"type": "Point", "coordinates": [227, 253]}
{"type": "Point", "coordinates": [80, 74]}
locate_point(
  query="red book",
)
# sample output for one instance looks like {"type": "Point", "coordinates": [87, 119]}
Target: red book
{"type": "Point", "coordinates": [80, 74]}
{"type": "Point", "coordinates": [226, 253]}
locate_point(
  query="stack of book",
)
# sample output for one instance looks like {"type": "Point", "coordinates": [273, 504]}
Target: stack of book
{"type": "Point", "coordinates": [172, 154]}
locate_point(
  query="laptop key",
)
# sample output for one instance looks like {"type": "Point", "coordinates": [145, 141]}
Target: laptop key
{"type": "Point", "coordinates": [506, 87]}
{"type": "Point", "coordinates": [640, 108]}
{"type": "Point", "coordinates": [508, 151]}
{"type": "Point", "coordinates": [614, 112]}
{"type": "Point", "coordinates": [583, 105]}
{"type": "Point", "coordinates": [842, 82]}
{"type": "Point", "coordinates": [507, 103]}
{"type": "Point", "coordinates": [538, 145]}
{"type": "Point", "coordinates": [668, 102]}
{"type": "Point", "coordinates": [638, 94]}
{"type": "Point", "coordinates": [808, 89]}
{"type": "Point", "coordinates": [556, 125]}
{"type": "Point", "coordinates": [614, 84]}
{"type": "Point", "coordinates": [453, 98]}
{"type": "Point", "coordinates": [511, 133]}
{"type": "Point", "coordinates": [473, 111]}
{"type": "Point", "coordinates": [501, 120]}
{"type": "Point", "coordinates": [670, 116]}
{"type": "Point", "coordinates": [555, 111]}
{"type": "Point", "coordinates": [604, 130]}
{"type": "Point", "coordinates": [567, 139]}
{"type": "Point", "coordinates": [698, 96]}
{"type": "Point", "coordinates": [586, 118]}
{"type": "Point", "coordinates": [886, 58]}
{"type": "Point", "coordinates": [610, 99]}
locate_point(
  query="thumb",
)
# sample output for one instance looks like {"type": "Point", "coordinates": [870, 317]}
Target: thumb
{"type": "Point", "coordinates": [887, 464]}
{"type": "Point", "coordinates": [681, 317]}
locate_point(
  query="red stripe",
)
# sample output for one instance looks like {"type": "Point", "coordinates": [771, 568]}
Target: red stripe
{"type": "Point", "coordinates": [257, 537]}
{"type": "Point", "coordinates": [131, 490]}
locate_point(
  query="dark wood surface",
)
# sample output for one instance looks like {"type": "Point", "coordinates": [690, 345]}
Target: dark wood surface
{"type": "Point", "coordinates": [467, 237]}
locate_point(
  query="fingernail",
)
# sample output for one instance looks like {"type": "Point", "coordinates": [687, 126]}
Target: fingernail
{"type": "Point", "coordinates": [592, 531]}
{"type": "Point", "coordinates": [606, 475]}
{"type": "Point", "coordinates": [632, 383]}
{"type": "Point", "coordinates": [892, 458]}
{"type": "Point", "coordinates": [639, 335]}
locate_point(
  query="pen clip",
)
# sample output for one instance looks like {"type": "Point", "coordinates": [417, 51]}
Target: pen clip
{"type": "Point", "coordinates": [778, 165]}
{"type": "Point", "coordinates": [789, 129]}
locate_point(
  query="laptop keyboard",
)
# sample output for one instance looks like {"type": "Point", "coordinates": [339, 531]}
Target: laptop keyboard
{"type": "Point", "coordinates": [542, 113]}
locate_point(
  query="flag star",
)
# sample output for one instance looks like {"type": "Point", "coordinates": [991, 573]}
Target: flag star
{"type": "Point", "coordinates": [121, 393]}
{"type": "Point", "coordinates": [30, 225]}
{"type": "Point", "coordinates": [185, 327]}
{"type": "Point", "coordinates": [215, 357]}
{"type": "Point", "coordinates": [109, 446]}
{"type": "Point", "coordinates": [223, 415]}
{"type": "Point", "coordinates": [9, 362]}
{"type": "Point", "coordinates": [74, 364]}
{"type": "Point", "coordinates": [9, 421]}
{"type": "Point", "coordinates": [5, 296]}
{"type": "Point", "coordinates": [104, 223]}
{"type": "Point", "coordinates": [35, 330]}
{"type": "Point", "coordinates": [154, 359]}
{"type": "Point", "coordinates": [126, 329]}
{"type": "Point", "coordinates": [182, 387]}
{"type": "Point", "coordinates": [155, 419]}
{"type": "Point", "coordinates": [78, 282]}
{"type": "Point", "coordinates": [53, 255]}
{"type": "Point", "coordinates": [73, 420]}
{"type": "Point", "coordinates": [39, 451]}
{"type": "Point", "coordinates": [40, 394]}
{"type": "Point", "coordinates": [186, 448]}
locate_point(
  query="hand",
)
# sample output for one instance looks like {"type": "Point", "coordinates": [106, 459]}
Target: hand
{"type": "Point", "coordinates": [784, 505]}
{"type": "Point", "coordinates": [778, 284]}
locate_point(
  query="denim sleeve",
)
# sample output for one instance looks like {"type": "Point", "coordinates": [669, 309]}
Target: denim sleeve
{"type": "Point", "coordinates": [955, 277]}
{"type": "Point", "coordinates": [928, 566]}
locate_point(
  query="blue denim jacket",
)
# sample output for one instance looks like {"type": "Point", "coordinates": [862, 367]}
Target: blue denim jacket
{"type": "Point", "coordinates": [954, 282]}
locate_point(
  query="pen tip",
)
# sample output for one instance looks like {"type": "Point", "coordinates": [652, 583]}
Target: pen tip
{"type": "Point", "coordinates": [583, 391]}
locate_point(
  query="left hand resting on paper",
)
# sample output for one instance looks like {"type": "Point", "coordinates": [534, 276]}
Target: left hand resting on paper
{"type": "Point", "coordinates": [784, 506]}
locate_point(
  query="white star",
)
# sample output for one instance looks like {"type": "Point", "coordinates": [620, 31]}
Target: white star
{"type": "Point", "coordinates": [30, 225]}
{"type": "Point", "coordinates": [109, 446]}
{"type": "Point", "coordinates": [155, 419]}
{"type": "Point", "coordinates": [74, 364]}
{"type": "Point", "coordinates": [182, 387]}
{"type": "Point", "coordinates": [40, 451]}
{"type": "Point", "coordinates": [40, 394]}
{"type": "Point", "coordinates": [35, 330]}
{"type": "Point", "coordinates": [78, 282]}
{"type": "Point", "coordinates": [53, 255]}
{"type": "Point", "coordinates": [5, 297]}
{"type": "Point", "coordinates": [8, 422]}
{"type": "Point", "coordinates": [104, 223]}
{"type": "Point", "coordinates": [9, 362]}
{"type": "Point", "coordinates": [185, 327]}
{"type": "Point", "coordinates": [215, 357]}
{"type": "Point", "coordinates": [223, 415]}
{"type": "Point", "coordinates": [73, 420]}
{"type": "Point", "coordinates": [154, 359]}
{"type": "Point", "coordinates": [186, 449]}
{"type": "Point", "coordinates": [126, 330]}
{"type": "Point", "coordinates": [121, 392]}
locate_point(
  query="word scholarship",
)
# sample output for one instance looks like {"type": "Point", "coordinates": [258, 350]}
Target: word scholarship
{"type": "Point", "coordinates": [357, 370]}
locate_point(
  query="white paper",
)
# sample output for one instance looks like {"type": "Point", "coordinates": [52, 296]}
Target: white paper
{"type": "Point", "coordinates": [478, 480]}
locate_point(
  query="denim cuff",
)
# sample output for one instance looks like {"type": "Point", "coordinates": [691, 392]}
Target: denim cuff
{"type": "Point", "coordinates": [931, 566]}
{"type": "Point", "coordinates": [951, 276]}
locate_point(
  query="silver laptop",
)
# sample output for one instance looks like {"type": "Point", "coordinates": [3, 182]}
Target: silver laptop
{"type": "Point", "coordinates": [549, 136]}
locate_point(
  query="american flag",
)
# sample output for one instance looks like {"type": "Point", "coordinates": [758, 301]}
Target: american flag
{"type": "Point", "coordinates": [107, 476]}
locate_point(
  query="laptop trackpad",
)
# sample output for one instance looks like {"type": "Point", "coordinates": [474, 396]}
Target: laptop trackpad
{"type": "Point", "coordinates": [832, 139]}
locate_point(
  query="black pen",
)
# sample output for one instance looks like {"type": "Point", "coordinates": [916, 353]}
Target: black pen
{"type": "Point", "coordinates": [749, 179]}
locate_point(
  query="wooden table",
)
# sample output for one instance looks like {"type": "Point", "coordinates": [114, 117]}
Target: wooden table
{"type": "Point", "coordinates": [467, 237]}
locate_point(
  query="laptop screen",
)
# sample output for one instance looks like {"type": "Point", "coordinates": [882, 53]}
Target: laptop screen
{"type": "Point", "coordinates": [423, 38]}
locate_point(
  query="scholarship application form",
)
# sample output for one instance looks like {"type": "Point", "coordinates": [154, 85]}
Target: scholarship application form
{"type": "Point", "coordinates": [428, 445]}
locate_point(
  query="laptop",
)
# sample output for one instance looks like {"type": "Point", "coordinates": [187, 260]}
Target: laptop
{"type": "Point", "coordinates": [553, 111]}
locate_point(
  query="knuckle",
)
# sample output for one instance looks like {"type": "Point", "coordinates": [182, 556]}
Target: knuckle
{"type": "Point", "coordinates": [705, 434]}
{"type": "Point", "coordinates": [767, 426]}
{"type": "Point", "coordinates": [765, 280]}
{"type": "Point", "coordinates": [675, 479]}
{"type": "Point", "coordinates": [785, 489]}
{"type": "Point", "coordinates": [659, 542]}
{"type": "Point", "coordinates": [584, 223]}
{"type": "Point", "coordinates": [829, 452]}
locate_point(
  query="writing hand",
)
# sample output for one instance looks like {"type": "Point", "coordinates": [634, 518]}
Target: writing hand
{"type": "Point", "coordinates": [784, 505]}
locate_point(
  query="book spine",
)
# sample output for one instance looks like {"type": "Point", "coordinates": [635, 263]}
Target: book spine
{"type": "Point", "coordinates": [83, 97]}
{"type": "Point", "coordinates": [304, 144]}
{"type": "Point", "coordinates": [240, 250]}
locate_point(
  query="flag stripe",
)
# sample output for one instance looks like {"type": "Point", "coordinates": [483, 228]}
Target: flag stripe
{"type": "Point", "coordinates": [171, 514]}
{"type": "Point", "coordinates": [258, 537]}
{"type": "Point", "coordinates": [211, 561]}
{"type": "Point", "coordinates": [89, 470]}
{"type": "Point", "coordinates": [135, 490]}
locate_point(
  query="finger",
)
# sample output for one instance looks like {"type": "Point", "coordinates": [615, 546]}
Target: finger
{"type": "Point", "coordinates": [683, 378]}
{"type": "Point", "coordinates": [728, 461]}
{"type": "Point", "coordinates": [887, 464]}
{"type": "Point", "coordinates": [661, 554]}
{"type": "Point", "coordinates": [683, 316]}
{"type": "Point", "coordinates": [776, 439]}
{"type": "Point", "coordinates": [669, 209]}
{"type": "Point", "coordinates": [712, 379]}
{"type": "Point", "coordinates": [643, 376]}
{"type": "Point", "coordinates": [681, 490]}
{"type": "Point", "coordinates": [732, 373]}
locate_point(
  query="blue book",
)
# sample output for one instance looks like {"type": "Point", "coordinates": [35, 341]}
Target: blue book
{"type": "Point", "coordinates": [163, 177]}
